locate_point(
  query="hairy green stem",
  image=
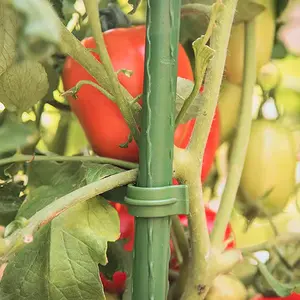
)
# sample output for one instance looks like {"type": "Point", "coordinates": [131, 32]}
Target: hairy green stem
{"type": "Point", "coordinates": [94, 20]}
{"type": "Point", "coordinates": [200, 274]}
{"type": "Point", "coordinates": [240, 144]}
{"type": "Point", "coordinates": [21, 237]}
{"type": "Point", "coordinates": [97, 159]}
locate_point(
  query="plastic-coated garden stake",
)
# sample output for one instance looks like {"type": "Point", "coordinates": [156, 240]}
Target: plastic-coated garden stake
{"type": "Point", "coordinates": [152, 234]}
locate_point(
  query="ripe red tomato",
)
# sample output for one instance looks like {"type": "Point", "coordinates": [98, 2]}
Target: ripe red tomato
{"type": "Point", "coordinates": [291, 297]}
{"type": "Point", "coordinates": [210, 218]}
{"type": "Point", "coordinates": [100, 118]}
{"type": "Point", "coordinates": [116, 285]}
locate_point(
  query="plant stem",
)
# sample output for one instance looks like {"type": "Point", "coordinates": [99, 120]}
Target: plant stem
{"type": "Point", "coordinates": [17, 240]}
{"type": "Point", "coordinates": [240, 144]}
{"type": "Point", "coordinates": [96, 159]}
{"type": "Point", "coordinates": [94, 20]}
{"type": "Point", "coordinates": [200, 276]}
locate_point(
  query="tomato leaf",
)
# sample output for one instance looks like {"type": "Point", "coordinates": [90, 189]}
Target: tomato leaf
{"type": "Point", "coordinates": [23, 85]}
{"type": "Point", "coordinates": [78, 236]}
{"type": "Point", "coordinates": [184, 89]}
{"type": "Point", "coordinates": [50, 180]}
{"type": "Point", "coordinates": [281, 289]}
{"type": "Point", "coordinates": [134, 4]}
{"type": "Point", "coordinates": [247, 10]}
{"type": "Point", "coordinates": [195, 15]}
{"type": "Point", "coordinates": [22, 133]}
{"type": "Point", "coordinates": [10, 201]}
{"type": "Point", "coordinates": [39, 33]}
{"type": "Point", "coordinates": [62, 261]}
{"type": "Point", "coordinates": [194, 20]}
{"type": "Point", "coordinates": [8, 37]}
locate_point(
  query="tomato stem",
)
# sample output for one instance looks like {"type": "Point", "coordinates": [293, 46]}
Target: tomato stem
{"type": "Point", "coordinates": [16, 241]}
{"type": "Point", "coordinates": [240, 144]}
{"type": "Point", "coordinates": [74, 90]}
{"type": "Point", "coordinates": [96, 159]}
{"type": "Point", "coordinates": [92, 12]}
{"type": "Point", "coordinates": [201, 276]}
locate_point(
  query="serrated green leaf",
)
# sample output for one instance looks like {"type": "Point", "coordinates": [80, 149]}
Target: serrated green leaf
{"type": "Point", "coordinates": [23, 85]}
{"type": "Point", "coordinates": [39, 33]}
{"type": "Point", "coordinates": [66, 268]}
{"type": "Point", "coordinates": [49, 180]}
{"type": "Point", "coordinates": [10, 201]}
{"type": "Point", "coordinates": [134, 4]}
{"type": "Point", "coordinates": [184, 89]}
{"type": "Point", "coordinates": [15, 135]}
{"type": "Point", "coordinates": [8, 37]}
{"type": "Point", "coordinates": [247, 10]}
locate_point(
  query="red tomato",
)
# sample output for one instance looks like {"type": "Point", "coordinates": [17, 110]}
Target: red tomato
{"type": "Point", "coordinates": [100, 118]}
{"type": "Point", "coordinates": [116, 285]}
{"type": "Point", "coordinates": [291, 297]}
{"type": "Point", "coordinates": [210, 219]}
{"type": "Point", "coordinates": [126, 225]}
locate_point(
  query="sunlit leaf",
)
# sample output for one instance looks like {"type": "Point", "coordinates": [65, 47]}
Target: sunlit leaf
{"type": "Point", "coordinates": [23, 85]}
{"type": "Point", "coordinates": [8, 36]}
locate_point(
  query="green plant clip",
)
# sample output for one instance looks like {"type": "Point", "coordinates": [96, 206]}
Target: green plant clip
{"type": "Point", "coordinates": [146, 202]}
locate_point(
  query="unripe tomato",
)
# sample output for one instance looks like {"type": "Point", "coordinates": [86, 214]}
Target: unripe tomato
{"type": "Point", "coordinates": [226, 287]}
{"type": "Point", "coordinates": [100, 118]}
{"type": "Point", "coordinates": [229, 107]}
{"type": "Point", "coordinates": [265, 31]}
{"type": "Point", "coordinates": [270, 164]}
{"type": "Point", "coordinates": [291, 297]}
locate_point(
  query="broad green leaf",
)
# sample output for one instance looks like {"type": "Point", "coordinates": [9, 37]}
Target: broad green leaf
{"type": "Point", "coordinates": [39, 34]}
{"type": "Point", "coordinates": [8, 37]}
{"type": "Point", "coordinates": [184, 88]}
{"type": "Point", "coordinates": [62, 261]}
{"type": "Point", "coordinates": [195, 16]}
{"type": "Point", "coordinates": [194, 20]}
{"type": "Point", "coordinates": [66, 268]}
{"type": "Point", "coordinates": [15, 135]}
{"type": "Point", "coordinates": [50, 180]}
{"type": "Point", "coordinates": [10, 201]}
{"type": "Point", "coordinates": [23, 85]}
{"type": "Point", "coordinates": [134, 4]}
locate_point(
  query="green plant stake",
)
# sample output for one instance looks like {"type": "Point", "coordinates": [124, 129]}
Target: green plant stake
{"type": "Point", "coordinates": [154, 198]}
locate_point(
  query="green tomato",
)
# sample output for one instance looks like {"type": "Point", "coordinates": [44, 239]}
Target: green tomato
{"type": "Point", "coordinates": [269, 171]}
{"type": "Point", "coordinates": [287, 93]}
{"type": "Point", "coordinates": [226, 287]}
